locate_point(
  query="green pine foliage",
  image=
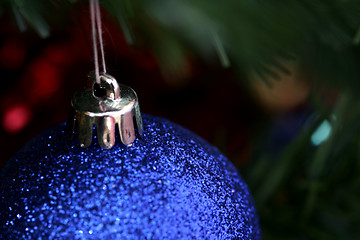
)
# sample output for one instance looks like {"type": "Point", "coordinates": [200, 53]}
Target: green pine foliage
{"type": "Point", "coordinates": [312, 192]}
{"type": "Point", "coordinates": [307, 192]}
{"type": "Point", "coordinates": [246, 34]}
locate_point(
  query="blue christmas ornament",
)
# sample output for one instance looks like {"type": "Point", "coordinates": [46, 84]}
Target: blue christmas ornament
{"type": "Point", "coordinates": [170, 184]}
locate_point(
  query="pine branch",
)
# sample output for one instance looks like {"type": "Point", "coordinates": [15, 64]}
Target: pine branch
{"type": "Point", "coordinates": [243, 33]}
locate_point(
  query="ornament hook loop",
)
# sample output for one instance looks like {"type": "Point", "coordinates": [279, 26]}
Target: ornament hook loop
{"type": "Point", "coordinates": [105, 106]}
{"type": "Point", "coordinates": [108, 87]}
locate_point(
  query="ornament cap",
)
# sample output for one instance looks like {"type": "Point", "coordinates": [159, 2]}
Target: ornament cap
{"type": "Point", "coordinates": [104, 106]}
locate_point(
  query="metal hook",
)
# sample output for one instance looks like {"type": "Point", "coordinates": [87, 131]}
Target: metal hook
{"type": "Point", "coordinates": [115, 105]}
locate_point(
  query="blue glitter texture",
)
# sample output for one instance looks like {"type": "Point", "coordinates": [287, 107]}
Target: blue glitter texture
{"type": "Point", "coordinates": [170, 184]}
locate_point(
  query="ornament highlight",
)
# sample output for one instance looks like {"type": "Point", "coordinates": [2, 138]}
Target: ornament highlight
{"type": "Point", "coordinates": [170, 184]}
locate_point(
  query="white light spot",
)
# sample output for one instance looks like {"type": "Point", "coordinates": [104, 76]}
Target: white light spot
{"type": "Point", "coordinates": [322, 133]}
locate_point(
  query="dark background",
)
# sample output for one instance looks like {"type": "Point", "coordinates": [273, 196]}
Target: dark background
{"type": "Point", "coordinates": [39, 77]}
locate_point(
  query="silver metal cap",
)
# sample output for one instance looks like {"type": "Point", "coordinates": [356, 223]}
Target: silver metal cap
{"type": "Point", "coordinates": [104, 105]}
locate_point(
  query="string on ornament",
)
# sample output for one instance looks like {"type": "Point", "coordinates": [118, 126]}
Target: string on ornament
{"type": "Point", "coordinates": [96, 30]}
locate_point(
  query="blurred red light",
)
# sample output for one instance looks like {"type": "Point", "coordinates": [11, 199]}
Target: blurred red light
{"type": "Point", "coordinates": [46, 79]}
{"type": "Point", "coordinates": [16, 118]}
{"type": "Point", "coordinates": [57, 54]}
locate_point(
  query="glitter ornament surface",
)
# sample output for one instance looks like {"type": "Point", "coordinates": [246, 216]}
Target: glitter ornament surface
{"type": "Point", "coordinates": [170, 184]}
